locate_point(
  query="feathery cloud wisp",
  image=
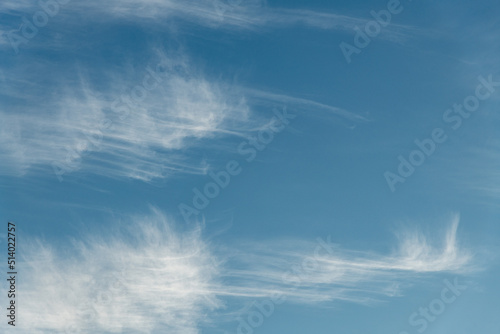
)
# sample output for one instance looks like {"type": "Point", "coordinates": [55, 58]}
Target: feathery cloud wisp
{"type": "Point", "coordinates": [157, 277]}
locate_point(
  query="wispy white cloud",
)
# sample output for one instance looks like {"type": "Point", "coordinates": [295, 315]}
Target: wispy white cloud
{"type": "Point", "coordinates": [311, 108]}
{"type": "Point", "coordinates": [121, 129]}
{"type": "Point", "coordinates": [56, 117]}
{"type": "Point", "coordinates": [95, 129]}
{"type": "Point", "coordinates": [157, 277]}
{"type": "Point", "coordinates": [341, 274]}
{"type": "Point", "coordinates": [153, 277]}
{"type": "Point", "coordinates": [249, 15]}
{"type": "Point", "coordinates": [252, 15]}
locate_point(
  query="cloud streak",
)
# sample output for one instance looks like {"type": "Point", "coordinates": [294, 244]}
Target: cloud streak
{"type": "Point", "coordinates": [138, 123]}
{"type": "Point", "coordinates": [157, 277]}
{"type": "Point", "coordinates": [293, 268]}
{"type": "Point", "coordinates": [246, 15]}
{"type": "Point", "coordinates": [124, 131]}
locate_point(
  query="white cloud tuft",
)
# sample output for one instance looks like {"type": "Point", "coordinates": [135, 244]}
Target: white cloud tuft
{"type": "Point", "coordinates": [152, 278]}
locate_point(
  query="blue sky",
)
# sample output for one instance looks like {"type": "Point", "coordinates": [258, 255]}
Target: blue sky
{"type": "Point", "coordinates": [226, 166]}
